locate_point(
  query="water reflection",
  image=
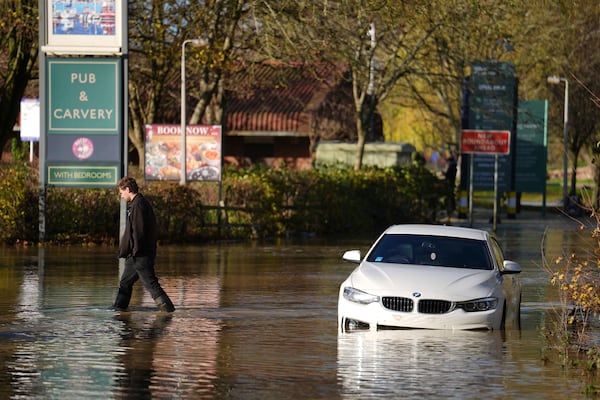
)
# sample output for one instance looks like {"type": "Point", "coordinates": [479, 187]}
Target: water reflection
{"type": "Point", "coordinates": [410, 363]}
{"type": "Point", "coordinates": [163, 357]}
{"type": "Point", "coordinates": [253, 321]}
{"type": "Point", "coordinates": [138, 344]}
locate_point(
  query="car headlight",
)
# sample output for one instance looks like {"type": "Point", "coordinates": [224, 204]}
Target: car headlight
{"type": "Point", "coordinates": [358, 296]}
{"type": "Point", "coordinates": [486, 304]}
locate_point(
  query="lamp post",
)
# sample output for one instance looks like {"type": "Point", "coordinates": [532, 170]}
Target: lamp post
{"type": "Point", "coordinates": [555, 80]}
{"type": "Point", "coordinates": [196, 42]}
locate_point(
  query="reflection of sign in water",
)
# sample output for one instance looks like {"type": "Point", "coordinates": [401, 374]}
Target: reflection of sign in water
{"type": "Point", "coordinates": [96, 17]}
{"type": "Point", "coordinates": [163, 152]}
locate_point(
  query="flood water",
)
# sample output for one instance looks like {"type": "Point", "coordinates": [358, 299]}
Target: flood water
{"type": "Point", "coordinates": [256, 321]}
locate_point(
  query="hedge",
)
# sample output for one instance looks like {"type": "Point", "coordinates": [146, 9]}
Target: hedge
{"type": "Point", "coordinates": [254, 203]}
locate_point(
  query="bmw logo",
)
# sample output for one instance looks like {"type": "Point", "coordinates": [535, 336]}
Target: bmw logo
{"type": "Point", "coordinates": [416, 294]}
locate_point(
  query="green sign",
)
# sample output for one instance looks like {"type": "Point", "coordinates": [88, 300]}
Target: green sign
{"type": "Point", "coordinates": [492, 94]}
{"type": "Point", "coordinates": [532, 146]}
{"type": "Point", "coordinates": [84, 121]}
{"type": "Point", "coordinates": [84, 96]}
{"type": "Point", "coordinates": [84, 176]}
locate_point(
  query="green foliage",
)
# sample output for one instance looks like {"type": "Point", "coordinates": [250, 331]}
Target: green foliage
{"type": "Point", "coordinates": [18, 149]}
{"type": "Point", "coordinates": [329, 201]}
{"type": "Point", "coordinates": [18, 203]}
{"type": "Point", "coordinates": [256, 203]}
{"type": "Point", "coordinates": [76, 215]}
{"type": "Point", "coordinates": [177, 210]}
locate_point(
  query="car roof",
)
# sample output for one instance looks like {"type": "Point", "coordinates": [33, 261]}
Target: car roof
{"type": "Point", "coordinates": [438, 230]}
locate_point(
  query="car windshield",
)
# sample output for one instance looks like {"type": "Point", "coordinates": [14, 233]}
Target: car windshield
{"type": "Point", "coordinates": [432, 250]}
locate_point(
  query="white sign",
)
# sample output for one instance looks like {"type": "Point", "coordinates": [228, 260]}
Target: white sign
{"type": "Point", "coordinates": [30, 120]}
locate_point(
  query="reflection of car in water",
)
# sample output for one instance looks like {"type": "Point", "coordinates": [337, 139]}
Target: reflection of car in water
{"type": "Point", "coordinates": [432, 277]}
{"type": "Point", "coordinates": [407, 364]}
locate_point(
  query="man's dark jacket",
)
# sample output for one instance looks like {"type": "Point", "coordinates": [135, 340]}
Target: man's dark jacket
{"type": "Point", "coordinates": [139, 238]}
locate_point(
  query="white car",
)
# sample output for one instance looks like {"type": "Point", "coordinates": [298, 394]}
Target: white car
{"type": "Point", "coordinates": [431, 277]}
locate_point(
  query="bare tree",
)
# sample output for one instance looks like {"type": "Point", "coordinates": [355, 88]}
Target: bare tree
{"type": "Point", "coordinates": [380, 41]}
{"type": "Point", "coordinates": [156, 34]}
{"type": "Point", "coordinates": [570, 36]}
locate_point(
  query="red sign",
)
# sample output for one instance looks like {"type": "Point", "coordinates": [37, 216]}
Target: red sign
{"type": "Point", "coordinates": [487, 142]}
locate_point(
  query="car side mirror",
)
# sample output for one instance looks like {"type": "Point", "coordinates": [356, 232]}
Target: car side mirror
{"type": "Point", "coordinates": [511, 267]}
{"type": "Point", "coordinates": [352, 256]}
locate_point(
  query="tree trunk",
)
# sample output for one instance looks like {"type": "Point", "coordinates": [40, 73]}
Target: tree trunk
{"type": "Point", "coordinates": [360, 144]}
{"type": "Point", "coordinates": [136, 131]}
{"type": "Point", "coordinates": [573, 188]}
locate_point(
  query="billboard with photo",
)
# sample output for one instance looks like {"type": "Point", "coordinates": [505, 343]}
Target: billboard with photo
{"type": "Point", "coordinates": [163, 152]}
{"type": "Point", "coordinates": [84, 23]}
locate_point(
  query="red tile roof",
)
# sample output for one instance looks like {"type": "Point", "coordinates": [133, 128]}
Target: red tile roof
{"type": "Point", "coordinates": [284, 98]}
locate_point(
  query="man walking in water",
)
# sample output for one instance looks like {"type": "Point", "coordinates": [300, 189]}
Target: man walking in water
{"type": "Point", "coordinates": [138, 247]}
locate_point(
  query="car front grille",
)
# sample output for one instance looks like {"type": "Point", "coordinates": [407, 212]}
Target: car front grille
{"type": "Point", "coordinates": [434, 306]}
{"type": "Point", "coordinates": [425, 306]}
{"type": "Point", "coordinates": [398, 304]}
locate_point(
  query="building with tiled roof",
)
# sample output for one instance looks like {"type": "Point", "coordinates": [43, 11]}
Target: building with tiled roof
{"type": "Point", "coordinates": [277, 113]}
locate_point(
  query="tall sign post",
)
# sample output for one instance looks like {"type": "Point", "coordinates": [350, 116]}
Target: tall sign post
{"type": "Point", "coordinates": [83, 96]}
{"type": "Point", "coordinates": [491, 105]}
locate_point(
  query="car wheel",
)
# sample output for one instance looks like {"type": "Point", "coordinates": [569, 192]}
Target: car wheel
{"type": "Point", "coordinates": [503, 321]}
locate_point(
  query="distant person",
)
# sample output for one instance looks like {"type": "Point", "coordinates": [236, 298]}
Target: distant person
{"type": "Point", "coordinates": [138, 247]}
{"type": "Point", "coordinates": [451, 169]}
{"type": "Point", "coordinates": [450, 178]}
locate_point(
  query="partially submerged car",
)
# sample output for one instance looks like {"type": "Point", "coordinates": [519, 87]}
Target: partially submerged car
{"type": "Point", "coordinates": [431, 277]}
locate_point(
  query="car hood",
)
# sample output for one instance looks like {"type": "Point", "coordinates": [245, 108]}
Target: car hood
{"type": "Point", "coordinates": [430, 281]}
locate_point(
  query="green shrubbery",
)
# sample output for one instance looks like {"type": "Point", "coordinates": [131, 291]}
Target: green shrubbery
{"type": "Point", "coordinates": [18, 203]}
{"type": "Point", "coordinates": [256, 203]}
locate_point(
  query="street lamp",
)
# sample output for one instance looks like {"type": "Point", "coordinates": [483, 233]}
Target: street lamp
{"type": "Point", "coordinates": [555, 80]}
{"type": "Point", "coordinates": [195, 42]}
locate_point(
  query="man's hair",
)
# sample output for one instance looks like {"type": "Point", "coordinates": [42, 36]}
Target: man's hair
{"type": "Point", "coordinates": [128, 182]}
